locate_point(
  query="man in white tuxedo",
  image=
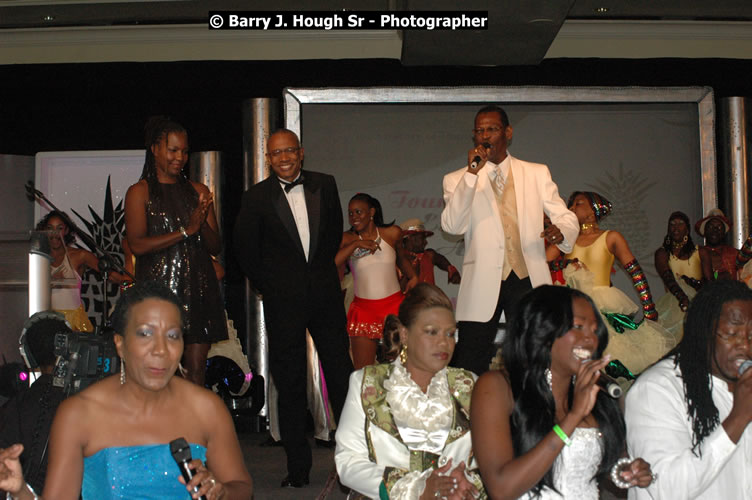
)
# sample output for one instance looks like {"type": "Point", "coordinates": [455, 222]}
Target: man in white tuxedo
{"type": "Point", "coordinates": [497, 203]}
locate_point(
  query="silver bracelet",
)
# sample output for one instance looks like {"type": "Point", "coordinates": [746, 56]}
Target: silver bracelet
{"type": "Point", "coordinates": [8, 496]}
{"type": "Point", "coordinates": [615, 473]}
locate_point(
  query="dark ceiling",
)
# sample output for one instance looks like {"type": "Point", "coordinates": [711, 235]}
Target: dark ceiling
{"type": "Point", "coordinates": [39, 14]}
{"type": "Point", "coordinates": [520, 31]}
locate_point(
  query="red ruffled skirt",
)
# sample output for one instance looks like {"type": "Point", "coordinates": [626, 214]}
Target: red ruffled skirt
{"type": "Point", "coordinates": [366, 316]}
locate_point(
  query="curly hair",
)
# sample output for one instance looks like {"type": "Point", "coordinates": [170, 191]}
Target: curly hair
{"type": "Point", "coordinates": [696, 351]}
{"type": "Point", "coordinates": [378, 216]}
{"type": "Point", "coordinates": [423, 296]}
{"type": "Point", "coordinates": [543, 315]}
{"type": "Point", "coordinates": [136, 294]}
{"type": "Point", "coordinates": [69, 237]}
{"type": "Point", "coordinates": [689, 247]}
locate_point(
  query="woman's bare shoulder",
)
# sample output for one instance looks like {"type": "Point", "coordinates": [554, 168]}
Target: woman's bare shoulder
{"type": "Point", "coordinates": [348, 236]}
{"type": "Point", "coordinates": [139, 189]}
{"type": "Point", "coordinates": [494, 386]}
{"type": "Point", "coordinates": [392, 233]}
{"type": "Point", "coordinates": [89, 404]}
{"type": "Point", "coordinates": [201, 398]}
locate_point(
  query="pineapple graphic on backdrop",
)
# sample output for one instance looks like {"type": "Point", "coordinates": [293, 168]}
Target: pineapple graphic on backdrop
{"type": "Point", "coordinates": [107, 231]}
{"type": "Point", "coordinates": [627, 190]}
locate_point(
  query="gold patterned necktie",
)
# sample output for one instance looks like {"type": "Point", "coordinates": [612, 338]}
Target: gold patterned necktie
{"type": "Point", "coordinates": [499, 179]}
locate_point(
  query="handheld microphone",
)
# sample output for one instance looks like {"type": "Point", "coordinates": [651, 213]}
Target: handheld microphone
{"type": "Point", "coordinates": [476, 160]}
{"type": "Point", "coordinates": [30, 191]}
{"type": "Point", "coordinates": [181, 453]}
{"type": "Point", "coordinates": [743, 367]}
{"type": "Point", "coordinates": [610, 386]}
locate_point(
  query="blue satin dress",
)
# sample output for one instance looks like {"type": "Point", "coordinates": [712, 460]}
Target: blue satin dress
{"type": "Point", "coordinates": [136, 473]}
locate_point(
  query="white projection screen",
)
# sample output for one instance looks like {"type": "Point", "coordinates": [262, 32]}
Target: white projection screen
{"type": "Point", "coordinates": [650, 151]}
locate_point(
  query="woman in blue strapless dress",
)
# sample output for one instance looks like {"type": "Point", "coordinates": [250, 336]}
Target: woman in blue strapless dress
{"type": "Point", "coordinates": [111, 440]}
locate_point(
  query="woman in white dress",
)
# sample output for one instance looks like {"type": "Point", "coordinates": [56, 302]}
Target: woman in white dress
{"type": "Point", "coordinates": [405, 429]}
{"type": "Point", "coordinates": [562, 433]}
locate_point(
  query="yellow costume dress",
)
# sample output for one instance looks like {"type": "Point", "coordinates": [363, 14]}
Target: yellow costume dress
{"type": "Point", "coordinates": [637, 348]}
{"type": "Point", "coordinates": [670, 315]}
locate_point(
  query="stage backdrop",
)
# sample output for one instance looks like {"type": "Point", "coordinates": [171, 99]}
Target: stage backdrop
{"type": "Point", "coordinates": [645, 158]}
{"type": "Point", "coordinates": [90, 187]}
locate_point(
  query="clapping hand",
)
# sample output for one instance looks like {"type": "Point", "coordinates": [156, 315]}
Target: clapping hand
{"type": "Point", "coordinates": [198, 217]}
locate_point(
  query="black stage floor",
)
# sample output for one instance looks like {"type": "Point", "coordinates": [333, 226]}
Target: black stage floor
{"type": "Point", "coordinates": [267, 467]}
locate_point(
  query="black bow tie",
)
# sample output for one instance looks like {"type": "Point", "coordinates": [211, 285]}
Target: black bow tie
{"type": "Point", "coordinates": [290, 185]}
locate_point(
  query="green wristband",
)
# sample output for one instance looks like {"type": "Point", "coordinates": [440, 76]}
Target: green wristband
{"type": "Point", "coordinates": [383, 493]}
{"type": "Point", "coordinates": [562, 435]}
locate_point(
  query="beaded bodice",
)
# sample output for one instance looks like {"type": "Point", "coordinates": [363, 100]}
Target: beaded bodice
{"type": "Point", "coordinates": [575, 467]}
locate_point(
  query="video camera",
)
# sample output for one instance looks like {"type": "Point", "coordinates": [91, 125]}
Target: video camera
{"type": "Point", "coordinates": [82, 359]}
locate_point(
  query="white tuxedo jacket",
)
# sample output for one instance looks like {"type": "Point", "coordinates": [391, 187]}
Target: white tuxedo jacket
{"type": "Point", "coordinates": [472, 211]}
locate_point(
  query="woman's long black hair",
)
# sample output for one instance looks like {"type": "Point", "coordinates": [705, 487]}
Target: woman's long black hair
{"type": "Point", "coordinates": [689, 247]}
{"type": "Point", "coordinates": [378, 216]}
{"type": "Point", "coordinates": [543, 315]}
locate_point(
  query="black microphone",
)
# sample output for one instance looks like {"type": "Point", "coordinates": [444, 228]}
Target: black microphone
{"type": "Point", "coordinates": [743, 367]}
{"type": "Point", "coordinates": [181, 452]}
{"type": "Point", "coordinates": [476, 160]}
{"type": "Point", "coordinates": [609, 386]}
{"type": "Point", "coordinates": [31, 194]}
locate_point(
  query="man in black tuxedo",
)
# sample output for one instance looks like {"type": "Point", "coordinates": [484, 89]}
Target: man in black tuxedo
{"type": "Point", "coordinates": [286, 236]}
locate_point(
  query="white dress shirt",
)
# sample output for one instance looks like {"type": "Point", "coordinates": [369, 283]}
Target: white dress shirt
{"type": "Point", "coordinates": [296, 200]}
{"type": "Point", "coordinates": [660, 431]}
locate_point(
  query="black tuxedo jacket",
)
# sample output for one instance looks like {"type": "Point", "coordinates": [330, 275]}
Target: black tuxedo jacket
{"type": "Point", "coordinates": [268, 247]}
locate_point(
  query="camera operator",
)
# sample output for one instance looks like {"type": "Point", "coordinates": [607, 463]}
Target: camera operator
{"type": "Point", "coordinates": [27, 417]}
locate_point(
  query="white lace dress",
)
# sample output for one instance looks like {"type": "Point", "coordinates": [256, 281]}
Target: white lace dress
{"type": "Point", "coordinates": [575, 467]}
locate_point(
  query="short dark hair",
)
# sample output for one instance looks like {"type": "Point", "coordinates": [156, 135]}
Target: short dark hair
{"type": "Point", "coordinates": [139, 292]}
{"type": "Point", "coordinates": [283, 130]}
{"type": "Point", "coordinates": [423, 296]}
{"type": "Point", "coordinates": [695, 353]}
{"type": "Point", "coordinates": [493, 108]}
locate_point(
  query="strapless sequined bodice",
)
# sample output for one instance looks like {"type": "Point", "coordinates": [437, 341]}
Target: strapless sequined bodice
{"type": "Point", "coordinates": [575, 467]}
{"type": "Point", "coordinates": [135, 472]}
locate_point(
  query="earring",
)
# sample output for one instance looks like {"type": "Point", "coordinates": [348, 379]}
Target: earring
{"type": "Point", "coordinates": [403, 354]}
{"type": "Point", "coordinates": [685, 239]}
{"type": "Point", "coordinates": [183, 371]}
{"type": "Point", "coordinates": [549, 378]}
{"type": "Point", "coordinates": [122, 371]}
